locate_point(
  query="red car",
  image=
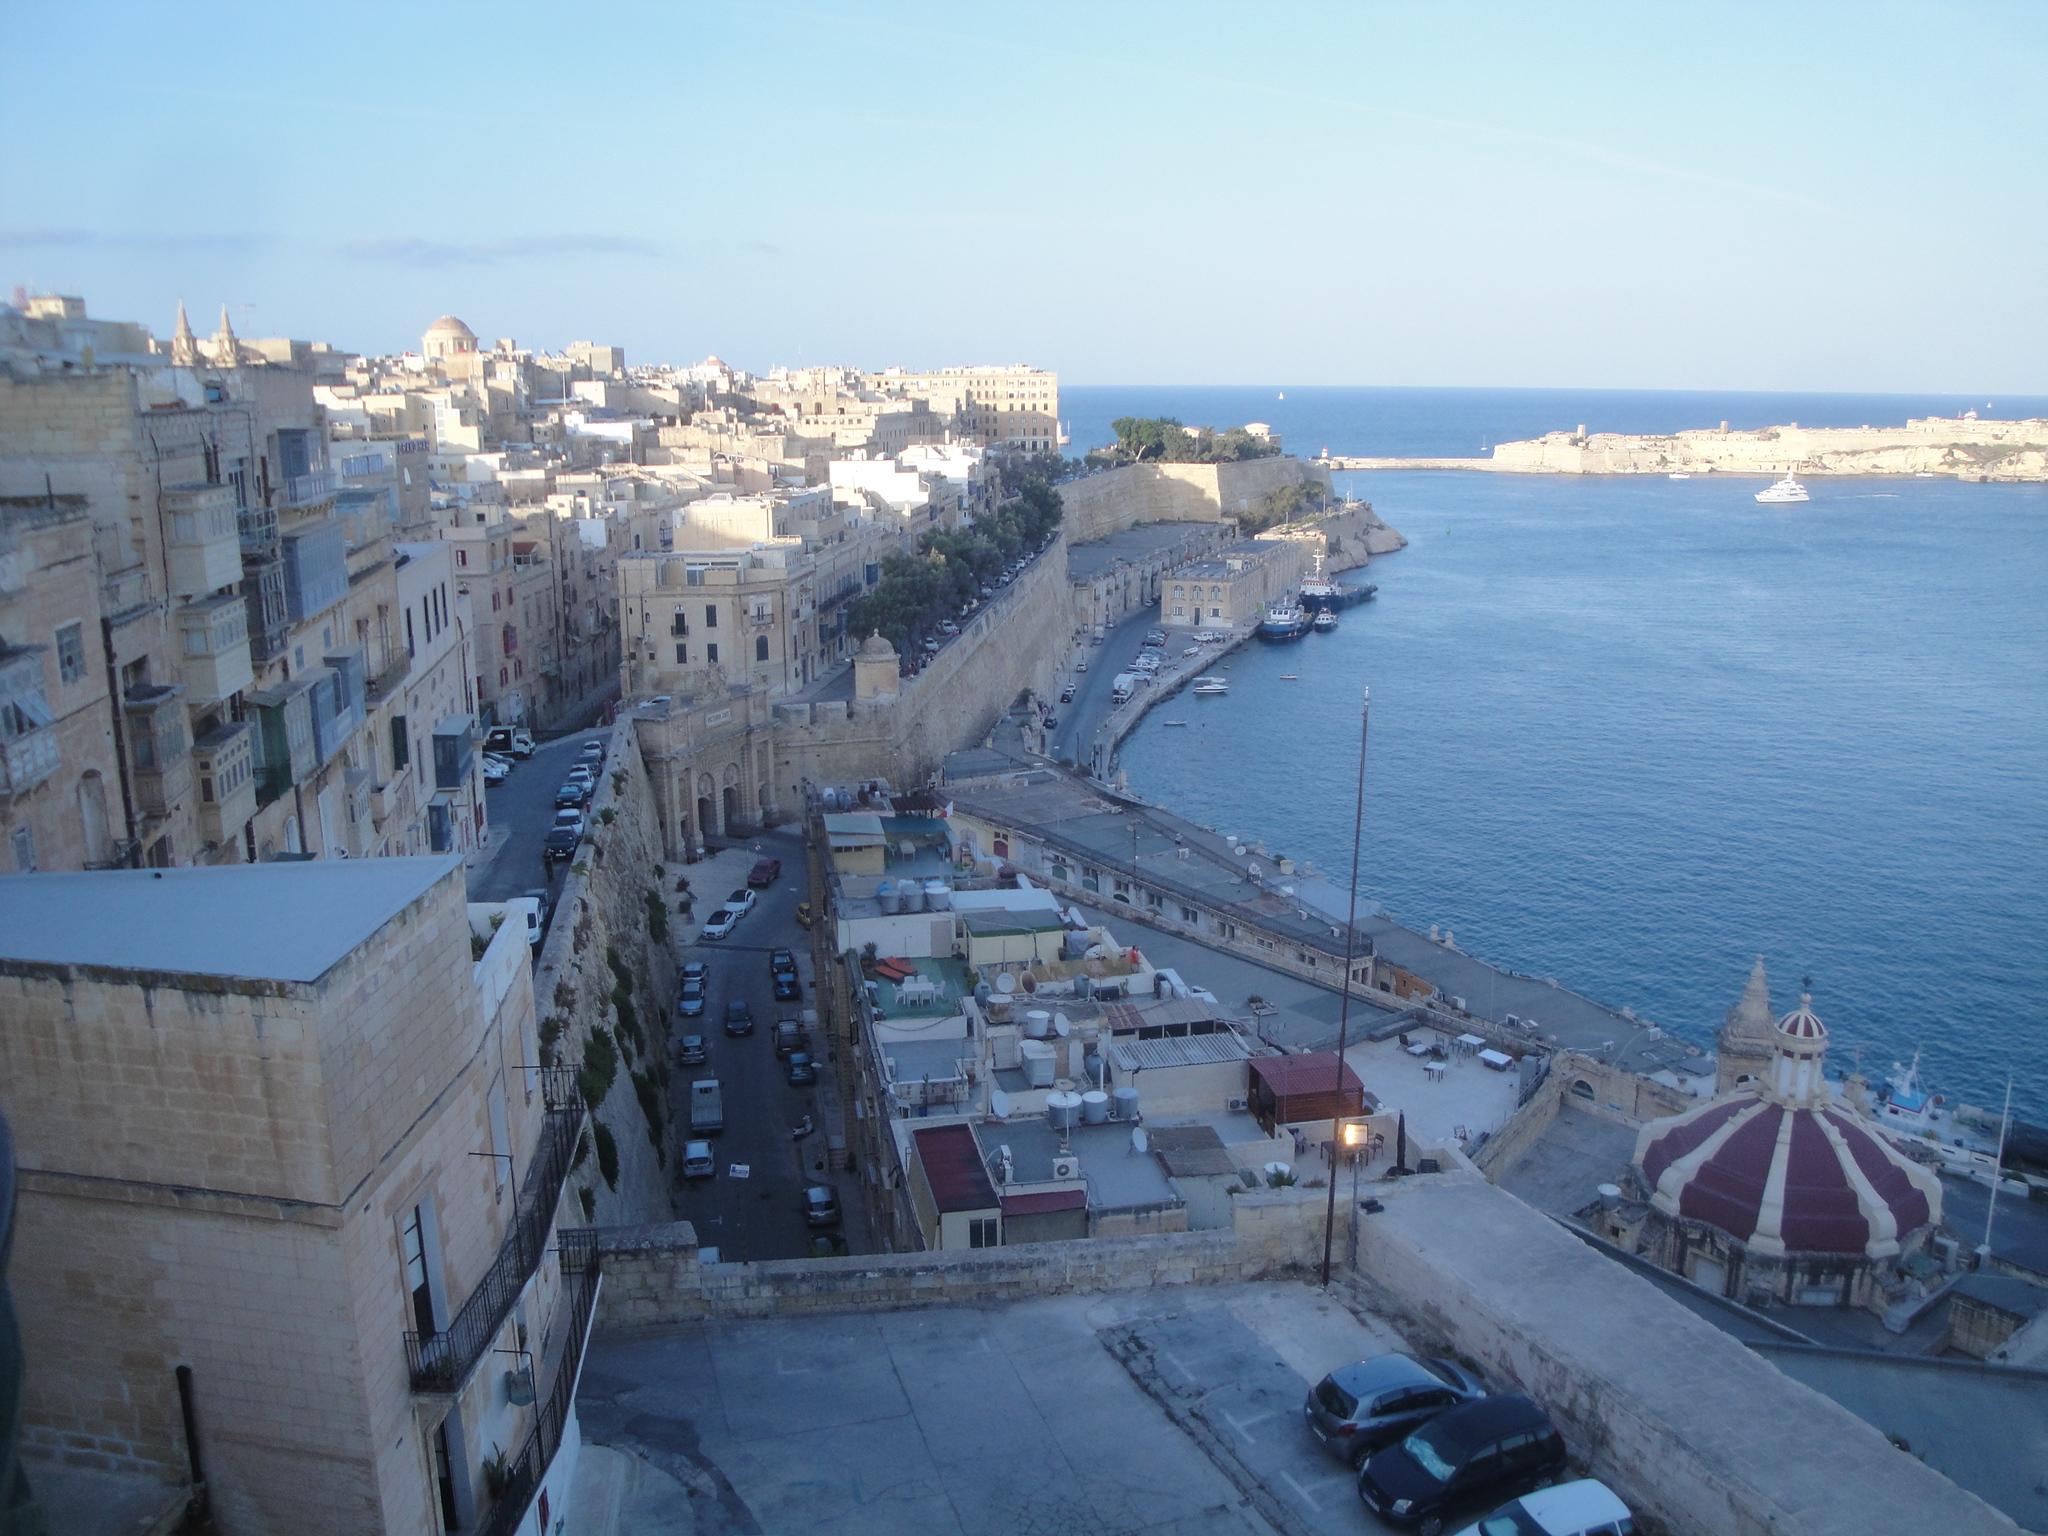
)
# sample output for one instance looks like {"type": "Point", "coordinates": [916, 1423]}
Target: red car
{"type": "Point", "coordinates": [764, 873]}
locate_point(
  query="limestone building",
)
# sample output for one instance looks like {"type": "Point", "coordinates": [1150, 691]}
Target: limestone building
{"type": "Point", "coordinates": [288, 1180]}
{"type": "Point", "coordinates": [1013, 409]}
{"type": "Point", "coordinates": [1232, 587]}
{"type": "Point", "coordinates": [1778, 1190]}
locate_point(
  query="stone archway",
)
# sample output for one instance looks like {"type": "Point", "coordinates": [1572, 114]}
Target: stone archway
{"type": "Point", "coordinates": [707, 808]}
{"type": "Point", "coordinates": [729, 799]}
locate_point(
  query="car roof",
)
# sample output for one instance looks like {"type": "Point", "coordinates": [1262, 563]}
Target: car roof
{"type": "Point", "coordinates": [812, 1191]}
{"type": "Point", "coordinates": [1573, 1507]}
{"type": "Point", "coordinates": [696, 1149]}
{"type": "Point", "coordinates": [1383, 1371]}
{"type": "Point", "coordinates": [1485, 1417]}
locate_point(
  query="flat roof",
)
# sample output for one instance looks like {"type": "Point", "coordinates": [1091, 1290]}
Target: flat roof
{"type": "Point", "coordinates": [266, 922]}
{"type": "Point", "coordinates": [1178, 1051]}
{"type": "Point", "coordinates": [954, 1169]}
{"type": "Point", "coordinates": [1308, 1072]}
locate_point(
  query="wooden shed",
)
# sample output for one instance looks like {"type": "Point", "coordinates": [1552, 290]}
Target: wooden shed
{"type": "Point", "coordinates": [1297, 1090]}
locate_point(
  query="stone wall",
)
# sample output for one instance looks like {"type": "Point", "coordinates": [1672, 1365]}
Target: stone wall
{"type": "Point", "coordinates": [1115, 499]}
{"type": "Point", "coordinates": [1689, 1425]}
{"type": "Point", "coordinates": [603, 909]}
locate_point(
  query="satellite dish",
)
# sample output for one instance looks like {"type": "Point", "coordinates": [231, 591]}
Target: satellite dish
{"type": "Point", "coordinates": [1138, 1139]}
{"type": "Point", "coordinates": [1005, 983]}
{"type": "Point", "coordinates": [1060, 1026]}
{"type": "Point", "coordinates": [999, 1104]}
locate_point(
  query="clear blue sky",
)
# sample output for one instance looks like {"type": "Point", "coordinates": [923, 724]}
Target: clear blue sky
{"type": "Point", "coordinates": [1715, 196]}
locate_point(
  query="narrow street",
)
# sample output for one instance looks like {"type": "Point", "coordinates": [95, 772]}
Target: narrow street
{"type": "Point", "coordinates": [1075, 738]}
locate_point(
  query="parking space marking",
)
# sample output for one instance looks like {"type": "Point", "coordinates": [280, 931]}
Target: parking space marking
{"type": "Point", "coordinates": [1175, 1361]}
{"type": "Point", "coordinates": [1243, 1426]}
{"type": "Point", "coordinates": [1308, 1497]}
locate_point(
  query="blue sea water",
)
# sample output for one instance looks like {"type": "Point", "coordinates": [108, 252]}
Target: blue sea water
{"type": "Point", "coordinates": [1630, 732]}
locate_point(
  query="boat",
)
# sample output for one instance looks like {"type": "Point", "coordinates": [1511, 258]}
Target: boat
{"type": "Point", "coordinates": [1679, 474]}
{"type": "Point", "coordinates": [1173, 722]}
{"type": "Point", "coordinates": [1289, 677]}
{"type": "Point", "coordinates": [1284, 621]}
{"type": "Point", "coordinates": [1323, 622]}
{"type": "Point", "coordinates": [1210, 687]}
{"type": "Point", "coordinates": [1786, 490]}
{"type": "Point", "coordinates": [1319, 591]}
{"type": "Point", "coordinates": [1283, 394]}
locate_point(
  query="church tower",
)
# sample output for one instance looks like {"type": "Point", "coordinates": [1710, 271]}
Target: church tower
{"type": "Point", "coordinates": [1747, 1042]}
{"type": "Point", "coordinates": [184, 345]}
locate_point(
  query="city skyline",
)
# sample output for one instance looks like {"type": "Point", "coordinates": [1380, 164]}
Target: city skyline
{"type": "Point", "coordinates": [1130, 197]}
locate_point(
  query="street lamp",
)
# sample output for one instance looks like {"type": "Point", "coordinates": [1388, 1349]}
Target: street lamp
{"type": "Point", "coordinates": [1344, 1011]}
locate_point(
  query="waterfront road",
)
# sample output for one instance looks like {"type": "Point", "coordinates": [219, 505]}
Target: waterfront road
{"type": "Point", "coordinates": [758, 1214]}
{"type": "Point", "coordinates": [1079, 732]}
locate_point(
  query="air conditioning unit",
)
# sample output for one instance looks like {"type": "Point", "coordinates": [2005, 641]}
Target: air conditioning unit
{"type": "Point", "coordinates": [1237, 1101]}
{"type": "Point", "coordinates": [1066, 1167]}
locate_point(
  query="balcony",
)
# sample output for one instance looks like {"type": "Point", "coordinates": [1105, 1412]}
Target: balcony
{"type": "Point", "coordinates": [224, 761]}
{"type": "Point", "coordinates": [315, 568]}
{"type": "Point", "coordinates": [442, 1362]}
{"type": "Point", "coordinates": [28, 738]}
{"type": "Point", "coordinates": [307, 490]}
{"type": "Point", "coordinates": [523, 1473]}
{"type": "Point", "coordinates": [202, 546]}
{"type": "Point", "coordinates": [284, 716]}
{"type": "Point", "coordinates": [214, 644]}
{"type": "Point", "coordinates": [158, 744]}
{"type": "Point", "coordinates": [454, 749]}
{"type": "Point", "coordinates": [391, 679]}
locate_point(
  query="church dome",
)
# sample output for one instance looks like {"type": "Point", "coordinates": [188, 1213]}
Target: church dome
{"type": "Point", "coordinates": [452, 328]}
{"type": "Point", "coordinates": [878, 648]}
{"type": "Point", "coordinates": [1801, 1026]}
{"type": "Point", "coordinates": [1787, 1178]}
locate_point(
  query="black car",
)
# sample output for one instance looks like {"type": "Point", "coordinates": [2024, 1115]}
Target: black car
{"type": "Point", "coordinates": [560, 844]}
{"type": "Point", "coordinates": [1465, 1460]}
{"type": "Point", "coordinates": [739, 1020]}
{"type": "Point", "coordinates": [693, 1052]}
{"type": "Point", "coordinates": [570, 795]}
{"type": "Point", "coordinates": [780, 960]}
{"type": "Point", "coordinates": [790, 1036]}
{"type": "Point", "coordinates": [821, 1206]}
{"type": "Point", "coordinates": [690, 998]}
{"type": "Point", "coordinates": [800, 1069]}
{"type": "Point", "coordinates": [1358, 1408]}
{"type": "Point", "coordinates": [787, 988]}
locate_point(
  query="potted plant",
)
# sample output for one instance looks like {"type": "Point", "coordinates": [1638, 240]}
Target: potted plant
{"type": "Point", "coordinates": [496, 1473]}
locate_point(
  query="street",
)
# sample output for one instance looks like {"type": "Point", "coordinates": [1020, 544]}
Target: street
{"type": "Point", "coordinates": [758, 1214]}
{"type": "Point", "coordinates": [521, 811]}
{"type": "Point", "coordinates": [1073, 740]}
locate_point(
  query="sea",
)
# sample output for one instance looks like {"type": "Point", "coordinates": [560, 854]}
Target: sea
{"type": "Point", "coordinates": [1632, 732]}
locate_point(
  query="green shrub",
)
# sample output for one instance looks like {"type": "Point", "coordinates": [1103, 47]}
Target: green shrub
{"type": "Point", "coordinates": [657, 917]}
{"type": "Point", "coordinates": [600, 1067]}
{"type": "Point", "coordinates": [649, 1093]}
{"type": "Point", "coordinates": [607, 816]}
{"type": "Point", "coordinates": [607, 1155]}
{"type": "Point", "coordinates": [582, 1150]}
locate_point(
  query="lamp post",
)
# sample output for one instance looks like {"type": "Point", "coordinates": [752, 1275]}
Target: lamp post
{"type": "Point", "coordinates": [1344, 1013]}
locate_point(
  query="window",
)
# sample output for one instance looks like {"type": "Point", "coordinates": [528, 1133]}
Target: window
{"type": "Point", "coordinates": [24, 840]}
{"type": "Point", "coordinates": [1190, 915]}
{"type": "Point", "coordinates": [984, 1232]}
{"type": "Point", "coordinates": [410, 650]}
{"type": "Point", "coordinates": [711, 655]}
{"type": "Point", "coordinates": [682, 654]}
{"type": "Point", "coordinates": [419, 1246]}
{"type": "Point", "coordinates": [462, 557]}
{"type": "Point", "coordinates": [401, 747]}
{"type": "Point", "coordinates": [71, 652]}
{"type": "Point", "coordinates": [760, 647]}
{"type": "Point", "coordinates": [504, 676]}
{"type": "Point", "coordinates": [494, 599]}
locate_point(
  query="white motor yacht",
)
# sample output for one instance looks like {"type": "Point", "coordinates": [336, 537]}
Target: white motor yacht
{"type": "Point", "coordinates": [1786, 490]}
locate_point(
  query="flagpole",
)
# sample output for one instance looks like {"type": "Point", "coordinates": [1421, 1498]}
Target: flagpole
{"type": "Point", "coordinates": [1344, 1014]}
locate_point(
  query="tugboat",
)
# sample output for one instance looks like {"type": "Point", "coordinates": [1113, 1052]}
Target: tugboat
{"type": "Point", "coordinates": [1284, 621]}
{"type": "Point", "coordinates": [1320, 592]}
{"type": "Point", "coordinates": [1323, 622]}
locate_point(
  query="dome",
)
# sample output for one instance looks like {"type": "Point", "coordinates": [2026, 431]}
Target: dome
{"type": "Point", "coordinates": [449, 326]}
{"type": "Point", "coordinates": [1783, 1177]}
{"type": "Point", "coordinates": [1801, 1026]}
{"type": "Point", "coordinates": [877, 647]}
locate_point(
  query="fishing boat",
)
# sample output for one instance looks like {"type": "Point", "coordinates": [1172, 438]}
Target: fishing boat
{"type": "Point", "coordinates": [1289, 677]}
{"type": "Point", "coordinates": [1284, 621]}
{"type": "Point", "coordinates": [1319, 591]}
{"type": "Point", "coordinates": [1173, 722]}
{"type": "Point", "coordinates": [1210, 687]}
{"type": "Point", "coordinates": [1323, 622]}
{"type": "Point", "coordinates": [1786, 490]}
{"type": "Point", "coordinates": [1679, 474]}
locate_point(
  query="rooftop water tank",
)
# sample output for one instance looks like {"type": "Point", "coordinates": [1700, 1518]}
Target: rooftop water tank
{"type": "Point", "coordinates": [1036, 1056]}
{"type": "Point", "coordinates": [1125, 1102]}
{"type": "Point", "coordinates": [1037, 1023]}
{"type": "Point", "coordinates": [1063, 1111]}
{"type": "Point", "coordinates": [938, 896]}
{"type": "Point", "coordinates": [885, 897]}
{"type": "Point", "coordinates": [1094, 1107]}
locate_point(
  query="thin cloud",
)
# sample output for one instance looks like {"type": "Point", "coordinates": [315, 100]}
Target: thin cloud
{"type": "Point", "coordinates": [491, 253]}
{"type": "Point", "coordinates": [158, 241]}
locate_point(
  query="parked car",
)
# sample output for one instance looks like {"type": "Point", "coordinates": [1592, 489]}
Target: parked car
{"type": "Point", "coordinates": [828, 1245]}
{"type": "Point", "coordinates": [1067, 694]}
{"type": "Point", "coordinates": [821, 1206]}
{"type": "Point", "coordinates": [803, 914]}
{"type": "Point", "coordinates": [1467, 1458]}
{"type": "Point", "coordinates": [722, 922]}
{"type": "Point", "coordinates": [693, 1052]}
{"type": "Point", "coordinates": [742, 901]}
{"type": "Point", "coordinates": [690, 998]}
{"type": "Point", "coordinates": [593, 752]}
{"type": "Point", "coordinates": [570, 794]}
{"type": "Point", "coordinates": [569, 818]}
{"type": "Point", "coordinates": [764, 873]}
{"type": "Point", "coordinates": [698, 1163]}
{"type": "Point", "coordinates": [790, 1036]}
{"type": "Point", "coordinates": [800, 1069]}
{"type": "Point", "coordinates": [543, 907]}
{"type": "Point", "coordinates": [1587, 1507]}
{"type": "Point", "coordinates": [780, 960]}
{"type": "Point", "coordinates": [696, 970]}
{"type": "Point", "coordinates": [496, 769]}
{"type": "Point", "coordinates": [1358, 1408]}
{"type": "Point", "coordinates": [948, 627]}
{"type": "Point", "coordinates": [788, 988]}
{"type": "Point", "coordinates": [739, 1018]}
{"type": "Point", "coordinates": [514, 740]}
{"type": "Point", "coordinates": [1081, 665]}
{"type": "Point", "coordinates": [1051, 719]}
{"type": "Point", "coordinates": [560, 843]}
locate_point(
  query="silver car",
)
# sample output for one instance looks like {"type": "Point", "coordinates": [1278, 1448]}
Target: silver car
{"type": "Point", "coordinates": [1358, 1409]}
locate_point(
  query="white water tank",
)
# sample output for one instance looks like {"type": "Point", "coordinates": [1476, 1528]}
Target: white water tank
{"type": "Point", "coordinates": [1037, 1023]}
{"type": "Point", "coordinates": [1063, 1111]}
{"type": "Point", "coordinates": [1094, 1107]}
{"type": "Point", "coordinates": [1036, 1057]}
{"type": "Point", "coordinates": [1125, 1101]}
{"type": "Point", "coordinates": [938, 896]}
{"type": "Point", "coordinates": [885, 897]}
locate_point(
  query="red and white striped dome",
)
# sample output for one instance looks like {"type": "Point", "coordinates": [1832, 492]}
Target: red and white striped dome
{"type": "Point", "coordinates": [1802, 1024]}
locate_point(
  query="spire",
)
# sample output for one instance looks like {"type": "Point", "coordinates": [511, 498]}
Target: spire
{"type": "Point", "coordinates": [226, 350]}
{"type": "Point", "coordinates": [184, 345]}
{"type": "Point", "coordinates": [1750, 1019]}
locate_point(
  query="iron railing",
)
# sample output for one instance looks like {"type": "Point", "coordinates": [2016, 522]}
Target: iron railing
{"type": "Point", "coordinates": [525, 1470]}
{"type": "Point", "coordinates": [442, 1361]}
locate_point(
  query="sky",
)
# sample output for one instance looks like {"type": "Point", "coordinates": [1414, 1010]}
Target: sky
{"type": "Point", "coordinates": [1727, 196]}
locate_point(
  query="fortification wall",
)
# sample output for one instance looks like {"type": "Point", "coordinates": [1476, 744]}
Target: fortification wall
{"type": "Point", "coordinates": [604, 909]}
{"type": "Point", "coordinates": [1114, 499]}
{"type": "Point", "coordinates": [1966, 449]}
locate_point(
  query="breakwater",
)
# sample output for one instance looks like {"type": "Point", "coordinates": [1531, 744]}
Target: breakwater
{"type": "Point", "coordinates": [1963, 448]}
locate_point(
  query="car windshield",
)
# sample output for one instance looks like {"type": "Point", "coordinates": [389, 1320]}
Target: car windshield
{"type": "Point", "coordinates": [1432, 1458]}
{"type": "Point", "coordinates": [1511, 1521]}
{"type": "Point", "coordinates": [1334, 1398]}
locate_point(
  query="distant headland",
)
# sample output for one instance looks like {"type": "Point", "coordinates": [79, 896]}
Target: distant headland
{"type": "Point", "coordinates": [1964, 447]}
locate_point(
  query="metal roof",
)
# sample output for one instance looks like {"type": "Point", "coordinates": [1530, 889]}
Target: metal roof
{"type": "Point", "coordinates": [1178, 1051]}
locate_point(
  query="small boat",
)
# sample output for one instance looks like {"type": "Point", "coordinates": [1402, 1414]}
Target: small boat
{"type": "Point", "coordinates": [1173, 722]}
{"type": "Point", "coordinates": [1786, 490]}
{"type": "Point", "coordinates": [1323, 622]}
{"type": "Point", "coordinates": [1210, 687]}
{"type": "Point", "coordinates": [1289, 677]}
{"type": "Point", "coordinates": [1679, 474]}
{"type": "Point", "coordinates": [1284, 621]}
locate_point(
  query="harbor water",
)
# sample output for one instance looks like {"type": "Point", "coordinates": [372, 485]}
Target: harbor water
{"type": "Point", "coordinates": [1630, 732]}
